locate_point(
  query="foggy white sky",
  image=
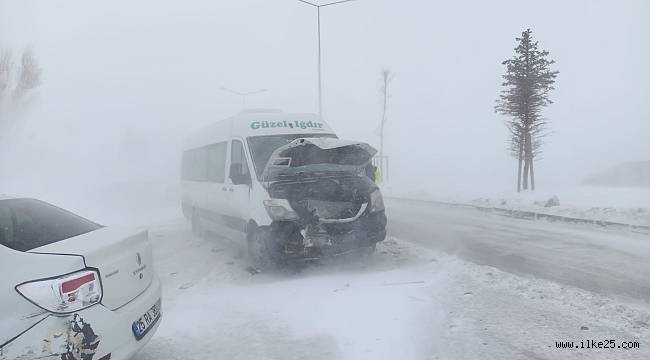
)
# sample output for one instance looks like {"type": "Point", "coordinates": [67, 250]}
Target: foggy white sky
{"type": "Point", "coordinates": [121, 72]}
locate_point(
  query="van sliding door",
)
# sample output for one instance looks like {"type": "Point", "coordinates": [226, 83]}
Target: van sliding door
{"type": "Point", "coordinates": [239, 189]}
{"type": "Point", "coordinates": [216, 183]}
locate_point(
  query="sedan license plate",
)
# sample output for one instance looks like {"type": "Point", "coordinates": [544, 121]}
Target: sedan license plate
{"type": "Point", "coordinates": [142, 325]}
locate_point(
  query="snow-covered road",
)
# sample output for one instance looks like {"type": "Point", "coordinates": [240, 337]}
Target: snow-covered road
{"type": "Point", "coordinates": [610, 261]}
{"type": "Point", "coordinates": [409, 301]}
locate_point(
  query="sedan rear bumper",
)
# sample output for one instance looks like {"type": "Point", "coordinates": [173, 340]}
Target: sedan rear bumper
{"type": "Point", "coordinates": [94, 332]}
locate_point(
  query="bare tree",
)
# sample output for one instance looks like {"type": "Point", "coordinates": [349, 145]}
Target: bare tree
{"type": "Point", "coordinates": [29, 76]}
{"type": "Point", "coordinates": [5, 71]}
{"type": "Point", "coordinates": [15, 84]}
{"type": "Point", "coordinates": [386, 79]}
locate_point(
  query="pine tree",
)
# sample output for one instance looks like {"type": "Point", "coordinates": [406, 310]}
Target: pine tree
{"type": "Point", "coordinates": [527, 83]}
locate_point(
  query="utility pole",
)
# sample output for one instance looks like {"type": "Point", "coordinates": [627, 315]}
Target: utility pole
{"type": "Point", "coordinates": [320, 73]}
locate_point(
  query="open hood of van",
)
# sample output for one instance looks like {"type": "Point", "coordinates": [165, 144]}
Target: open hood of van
{"type": "Point", "coordinates": [318, 156]}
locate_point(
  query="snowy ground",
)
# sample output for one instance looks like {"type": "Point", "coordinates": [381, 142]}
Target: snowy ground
{"type": "Point", "coordinates": [449, 283]}
{"type": "Point", "coordinates": [406, 302]}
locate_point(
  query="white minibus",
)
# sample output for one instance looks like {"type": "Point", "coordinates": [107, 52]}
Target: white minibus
{"type": "Point", "coordinates": [283, 183]}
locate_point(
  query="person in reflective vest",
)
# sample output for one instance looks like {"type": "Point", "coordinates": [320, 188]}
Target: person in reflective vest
{"type": "Point", "coordinates": [373, 173]}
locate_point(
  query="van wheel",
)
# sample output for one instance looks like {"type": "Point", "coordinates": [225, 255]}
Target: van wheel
{"type": "Point", "coordinates": [259, 249]}
{"type": "Point", "coordinates": [362, 253]}
{"type": "Point", "coordinates": [197, 228]}
{"type": "Point", "coordinates": [368, 251]}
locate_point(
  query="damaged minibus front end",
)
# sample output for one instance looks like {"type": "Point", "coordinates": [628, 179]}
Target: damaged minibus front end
{"type": "Point", "coordinates": [323, 200]}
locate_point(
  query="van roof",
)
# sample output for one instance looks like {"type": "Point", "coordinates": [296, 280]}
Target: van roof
{"type": "Point", "coordinates": [257, 122]}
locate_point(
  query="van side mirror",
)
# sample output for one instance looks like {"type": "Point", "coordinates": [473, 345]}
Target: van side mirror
{"type": "Point", "coordinates": [237, 175]}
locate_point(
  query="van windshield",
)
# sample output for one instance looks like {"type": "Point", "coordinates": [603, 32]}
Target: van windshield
{"type": "Point", "coordinates": [262, 147]}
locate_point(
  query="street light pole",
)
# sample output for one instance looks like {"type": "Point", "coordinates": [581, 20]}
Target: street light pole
{"type": "Point", "coordinates": [243, 94]}
{"type": "Point", "coordinates": [320, 72]}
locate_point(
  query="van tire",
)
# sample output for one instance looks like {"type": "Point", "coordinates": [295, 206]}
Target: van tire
{"type": "Point", "coordinates": [259, 249]}
{"type": "Point", "coordinates": [368, 251]}
{"type": "Point", "coordinates": [197, 228]}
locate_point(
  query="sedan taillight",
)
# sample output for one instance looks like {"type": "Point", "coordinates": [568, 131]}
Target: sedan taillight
{"type": "Point", "coordinates": [64, 294]}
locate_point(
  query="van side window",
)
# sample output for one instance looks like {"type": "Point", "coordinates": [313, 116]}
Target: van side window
{"type": "Point", "coordinates": [238, 157]}
{"type": "Point", "coordinates": [216, 162]}
{"type": "Point", "coordinates": [195, 167]}
{"type": "Point", "coordinates": [207, 163]}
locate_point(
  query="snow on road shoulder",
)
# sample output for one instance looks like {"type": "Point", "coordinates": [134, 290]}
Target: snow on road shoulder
{"type": "Point", "coordinates": [406, 302]}
{"type": "Point", "coordinates": [615, 204]}
{"type": "Point", "coordinates": [512, 317]}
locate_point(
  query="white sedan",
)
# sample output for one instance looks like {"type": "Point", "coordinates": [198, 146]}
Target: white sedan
{"type": "Point", "coordinates": [70, 288]}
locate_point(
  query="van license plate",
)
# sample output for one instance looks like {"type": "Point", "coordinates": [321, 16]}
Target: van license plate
{"type": "Point", "coordinates": [141, 326]}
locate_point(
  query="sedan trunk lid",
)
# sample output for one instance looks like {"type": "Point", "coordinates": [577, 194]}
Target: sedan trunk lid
{"type": "Point", "coordinates": [122, 256]}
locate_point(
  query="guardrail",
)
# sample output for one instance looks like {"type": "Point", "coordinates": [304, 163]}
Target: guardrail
{"type": "Point", "coordinates": [530, 215]}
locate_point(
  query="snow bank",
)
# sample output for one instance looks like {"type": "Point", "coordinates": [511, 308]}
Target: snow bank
{"type": "Point", "coordinates": [613, 204]}
{"type": "Point", "coordinates": [537, 204]}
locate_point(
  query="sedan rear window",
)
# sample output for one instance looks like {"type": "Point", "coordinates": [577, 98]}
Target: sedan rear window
{"type": "Point", "coordinates": [26, 224]}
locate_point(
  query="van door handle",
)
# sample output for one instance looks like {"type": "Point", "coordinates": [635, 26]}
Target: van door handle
{"type": "Point", "coordinates": [231, 190]}
{"type": "Point", "coordinates": [224, 188]}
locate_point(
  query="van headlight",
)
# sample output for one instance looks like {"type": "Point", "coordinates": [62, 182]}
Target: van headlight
{"type": "Point", "coordinates": [280, 209]}
{"type": "Point", "coordinates": [376, 201]}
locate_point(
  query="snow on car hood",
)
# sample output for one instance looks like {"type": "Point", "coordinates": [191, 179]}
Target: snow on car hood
{"type": "Point", "coordinates": [318, 156]}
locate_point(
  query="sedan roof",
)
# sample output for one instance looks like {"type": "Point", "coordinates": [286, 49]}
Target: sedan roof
{"type": "Point", "coordinates": [9, 197]}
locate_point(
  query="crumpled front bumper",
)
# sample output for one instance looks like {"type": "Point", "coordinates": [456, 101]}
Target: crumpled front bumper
{"type": "Point", "coordinates": [336, 238]}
